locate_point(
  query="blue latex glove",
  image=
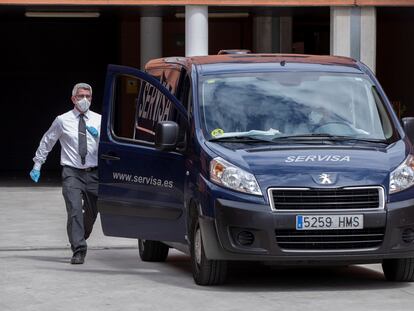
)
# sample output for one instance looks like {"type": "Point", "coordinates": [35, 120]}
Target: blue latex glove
{"type": "Point", "coordinates": [93, 131]}
{"type": "Point", "coordinates": [35, 175]}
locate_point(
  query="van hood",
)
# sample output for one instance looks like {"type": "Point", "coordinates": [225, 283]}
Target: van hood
{"type": "Point", "coordinates": [304, 165]}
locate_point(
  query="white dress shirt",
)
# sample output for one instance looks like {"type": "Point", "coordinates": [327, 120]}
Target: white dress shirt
{"type": "Point", "coordinates": [65, 129]}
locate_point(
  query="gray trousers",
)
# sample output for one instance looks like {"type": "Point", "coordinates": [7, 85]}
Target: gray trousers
{"type": "Point", "coordinates": [80, 190]}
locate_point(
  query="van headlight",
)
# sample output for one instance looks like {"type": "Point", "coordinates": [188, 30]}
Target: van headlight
{"type": "Point", "coordinates": [403, 176]}
{"type": "Point", "coordinates": [225, 174]}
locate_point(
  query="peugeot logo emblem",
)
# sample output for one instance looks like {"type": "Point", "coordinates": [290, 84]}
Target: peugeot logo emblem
{"type": "Point", "coordinates": [325, 179]}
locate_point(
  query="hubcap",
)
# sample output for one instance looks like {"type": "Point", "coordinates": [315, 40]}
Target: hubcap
{"type": "Point", "coordinates": [197, 246]}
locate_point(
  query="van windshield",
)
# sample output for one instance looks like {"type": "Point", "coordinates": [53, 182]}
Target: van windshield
{"type": "Point", "coordinates": [292, 104]}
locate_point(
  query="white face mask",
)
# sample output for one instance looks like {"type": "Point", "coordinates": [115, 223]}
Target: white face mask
{"type": "Point", "coordinates": [83, 104]}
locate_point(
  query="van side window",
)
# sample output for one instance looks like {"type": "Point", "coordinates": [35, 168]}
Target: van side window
{"type": "Point", "coordinates": [126, 92]}
{"type": "Point", "coordinates": [138, 107]}
{"type": "Point", "coordinates": [154, 107]}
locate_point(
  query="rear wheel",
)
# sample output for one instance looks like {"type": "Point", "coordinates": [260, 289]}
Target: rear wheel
{"type": "Point", "coordinates": [205, 271]}
{"type": "Point", "coordinates": [152, 250]}
{"type": "Point", "coordinates": [399, 270]}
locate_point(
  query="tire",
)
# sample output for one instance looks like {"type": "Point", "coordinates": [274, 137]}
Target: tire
{"type": "Point", "coordinates": [399, 270]}
{"type": "Point", "coordinates": [205, 272]}
{"type": "Point", "coordinates": [153, 251]}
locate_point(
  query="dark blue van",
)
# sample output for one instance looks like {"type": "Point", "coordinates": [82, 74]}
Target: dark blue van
{"type": "Point", "coordinates": [286, 158]}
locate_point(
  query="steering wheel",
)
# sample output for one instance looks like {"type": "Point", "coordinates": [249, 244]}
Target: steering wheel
{"type": "Point", "coordinates": [334, 128]}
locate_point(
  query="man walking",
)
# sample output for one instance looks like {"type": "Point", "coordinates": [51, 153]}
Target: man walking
{"type": "Point", "coordinates": [78, 133]}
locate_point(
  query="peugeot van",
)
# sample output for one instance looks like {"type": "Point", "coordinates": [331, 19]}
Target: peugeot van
{"type": "Point", "coordinates": [289, 159]}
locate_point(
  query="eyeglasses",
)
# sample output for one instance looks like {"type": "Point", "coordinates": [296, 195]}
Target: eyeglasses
{"type": "Point", "coordinates": [79, 97]}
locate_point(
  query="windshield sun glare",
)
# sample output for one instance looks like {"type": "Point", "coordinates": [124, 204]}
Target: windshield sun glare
{"type": "Point", "coordinates": [293, 103]}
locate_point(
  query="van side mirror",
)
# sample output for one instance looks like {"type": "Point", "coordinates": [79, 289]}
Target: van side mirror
{"type": "Point", "coordinates": [166, 135]}
{"type": "Point", "coordinates": [408, 124]}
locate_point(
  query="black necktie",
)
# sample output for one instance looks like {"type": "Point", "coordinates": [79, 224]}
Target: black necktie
{"type": "Point", "coordinates": [82, 138]}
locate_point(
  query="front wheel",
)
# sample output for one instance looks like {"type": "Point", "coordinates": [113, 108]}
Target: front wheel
{"type": "Point", "coordinates": [399, 270]}
{"type": "Point", "coordinates": [153, 251]}
{"type": "Point", "coordinates": [205, 272]}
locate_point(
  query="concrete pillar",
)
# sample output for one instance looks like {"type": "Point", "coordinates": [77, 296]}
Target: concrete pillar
{"type": "Point", "coordinates": [276, 35]}
{"type": "Point", "coordinates": [286, 34]}
{"type": "Point", "coordinates": [196, 30]}
{"type": "Point", "coordinates": [272, 34]}
{"type": "Point", "coordinates": [151, 39]}
{"type": "Point", "coordinates": [353, 33]}
{"type": "Point", "coordinates": [262, 34]}
{"type": "Point", "coordinates": [341, 31]}
{"type": "Point", "coordinates": [369, 37]}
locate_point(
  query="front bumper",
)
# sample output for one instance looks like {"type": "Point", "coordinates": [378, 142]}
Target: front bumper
{"type": "Point", "coordinates": [220, 242]}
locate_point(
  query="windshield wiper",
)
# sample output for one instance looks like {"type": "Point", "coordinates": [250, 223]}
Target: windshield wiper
{"type": "Point", "coordinates": [328, 137]}
{"type": "Point", "coordinates": [240, 139]}
{"type": "Point", "coordinates": [252, 135]}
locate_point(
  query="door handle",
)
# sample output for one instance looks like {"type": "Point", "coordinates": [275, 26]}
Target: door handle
{"type": "Point", "coordinates": [109, 157]}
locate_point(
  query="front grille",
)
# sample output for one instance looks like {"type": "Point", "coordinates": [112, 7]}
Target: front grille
{"type": "Point", "coordinates": [292, 239]}
{"type": "Point", "coordinates": [324, 199]}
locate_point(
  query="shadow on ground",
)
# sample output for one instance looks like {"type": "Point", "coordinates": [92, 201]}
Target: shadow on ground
{"type": "Point", "coordinates": [243, 276]}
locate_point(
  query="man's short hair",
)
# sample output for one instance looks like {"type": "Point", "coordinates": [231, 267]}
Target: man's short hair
{"type": "Point", "coordinates": [78, 86]}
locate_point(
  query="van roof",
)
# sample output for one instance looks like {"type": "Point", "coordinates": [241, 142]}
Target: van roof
{"type": "Point", "coordinates": [237, 61]}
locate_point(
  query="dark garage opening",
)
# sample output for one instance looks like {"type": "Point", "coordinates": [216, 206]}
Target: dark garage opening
{"type": "Point", "coordinates": [41, 60]}
{"type": "Point", "coordinates": [395, 62]}
{"type": "Point", "coordinates": [310, 29]}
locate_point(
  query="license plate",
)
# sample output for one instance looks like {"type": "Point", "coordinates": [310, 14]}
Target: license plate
{"type": "Point", "coordinates": [326, 222]}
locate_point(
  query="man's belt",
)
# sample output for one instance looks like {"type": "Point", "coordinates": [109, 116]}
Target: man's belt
{"type": "Point", "coordinates": [88, 169]}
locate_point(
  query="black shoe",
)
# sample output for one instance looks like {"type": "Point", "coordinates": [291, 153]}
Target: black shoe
{"type": "Point", "coordinates": [78, 258]}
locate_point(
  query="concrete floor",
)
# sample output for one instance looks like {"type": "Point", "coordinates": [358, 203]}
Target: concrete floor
{"type": "Point", "coordinates": [35, 273]}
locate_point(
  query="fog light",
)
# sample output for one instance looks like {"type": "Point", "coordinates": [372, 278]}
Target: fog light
{"type": "Point", "coordinates": [408, 235]}
{"type": "Point", "coordinates": [245, 238]}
